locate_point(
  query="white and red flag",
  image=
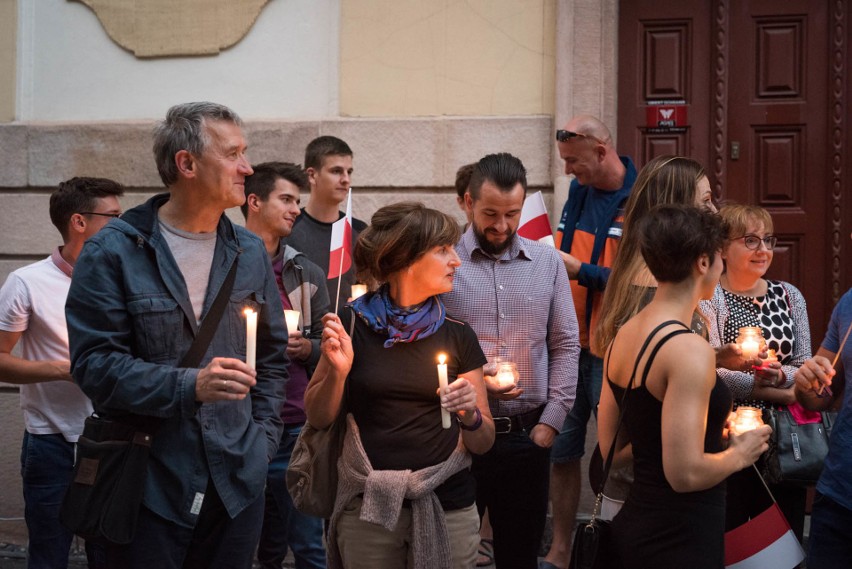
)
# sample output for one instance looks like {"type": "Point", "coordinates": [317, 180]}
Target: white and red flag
{"type": "Point", "coordinates": [340, 255]}
{"type": "Point", "coordinates": [763, 541]}
{"type": "Point", "coordinates": [535, 223]}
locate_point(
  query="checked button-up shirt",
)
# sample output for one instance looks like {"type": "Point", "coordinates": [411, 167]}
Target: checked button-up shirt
{"type": "Point", "coordinates": [520, 306]}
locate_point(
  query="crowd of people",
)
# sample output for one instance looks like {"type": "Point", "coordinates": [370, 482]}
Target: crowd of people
{"type": "Point", "coordinates": [531, 339]}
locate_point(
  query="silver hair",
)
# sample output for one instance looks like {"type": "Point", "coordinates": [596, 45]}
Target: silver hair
{"type": "Point", "coordinates": [183, 129]}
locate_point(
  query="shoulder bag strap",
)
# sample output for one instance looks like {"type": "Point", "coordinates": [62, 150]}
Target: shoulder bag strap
{"type": "Point", "coordinates": [202, 340]}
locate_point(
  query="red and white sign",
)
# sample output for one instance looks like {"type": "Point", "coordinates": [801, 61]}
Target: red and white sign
{"type": "Point", "coordinates": [763, 541]}
{"type": "Point", "coordinates": [535, 223]}
{"type": "Point", "coordinates": [661, 114]}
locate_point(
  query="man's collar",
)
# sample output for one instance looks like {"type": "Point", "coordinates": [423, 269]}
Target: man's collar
{"type": "Point", "coordinates": [516, 247]}
{"type": "Point", "coordinates": [61, 263]}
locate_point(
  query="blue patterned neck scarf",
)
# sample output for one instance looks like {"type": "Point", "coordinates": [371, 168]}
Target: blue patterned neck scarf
{"type": "Point", "coordinates": [379, 312]}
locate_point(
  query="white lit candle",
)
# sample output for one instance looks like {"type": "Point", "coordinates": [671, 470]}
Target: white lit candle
{"type": "Point", "coordinates": [750, 348]}
{"type": "Point", "coordinates": [358, 290]}
{"type": "Point", "coordinates": [251, 336]}
{"type": "Point", "coordinates": [442, 383]}
{"type": "Point", "coordinates": [292, 319]}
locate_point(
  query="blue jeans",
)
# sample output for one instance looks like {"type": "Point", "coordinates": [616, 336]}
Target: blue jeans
{"type": "Point", "coordinates": [283, 525]}
{"type": "Point", "coordinates": [829, 543]}
{"type": "Point", "coordinates": [570, 443]}
{"type": "Point", "coordinates": [47, 464]}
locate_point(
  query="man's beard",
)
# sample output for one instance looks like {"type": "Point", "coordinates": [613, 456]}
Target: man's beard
{"type": "Point", "coordinates": [489, 247]}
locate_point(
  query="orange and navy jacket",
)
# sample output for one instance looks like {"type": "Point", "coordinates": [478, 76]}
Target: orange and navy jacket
{"type": "Point", "coordinates": [596, 250]}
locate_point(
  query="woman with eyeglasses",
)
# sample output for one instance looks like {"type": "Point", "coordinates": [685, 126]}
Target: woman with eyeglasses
{"type": "Point", "coordinates": [745, 298]}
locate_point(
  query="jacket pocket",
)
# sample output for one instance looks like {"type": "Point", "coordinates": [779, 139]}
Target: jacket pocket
{"type": "Point", "coordinates": [239, 302]}
{"type": "Point", "coordinates": [157, 327]}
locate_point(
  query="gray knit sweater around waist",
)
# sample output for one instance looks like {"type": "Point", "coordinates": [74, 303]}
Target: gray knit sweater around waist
{"type": "Point", "coordinates": [384, 492]}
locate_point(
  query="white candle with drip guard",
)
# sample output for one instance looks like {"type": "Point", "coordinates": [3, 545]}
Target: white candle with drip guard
{"type": "Point", "coordinates": [251, 336]}
{"type": "Point", "coordinates": [292, 319]}
{"type": "Point", "coordinates": [442, 383]}
{"type": "Point", "coordinates": [358, 290]}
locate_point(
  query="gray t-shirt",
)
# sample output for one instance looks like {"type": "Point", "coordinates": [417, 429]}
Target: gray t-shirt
{"type": "Point", "coordinates": [193, 253]}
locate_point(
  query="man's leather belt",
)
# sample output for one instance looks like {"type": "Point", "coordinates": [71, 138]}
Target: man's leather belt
{"type": "Point", "coordinates": [519, 422]}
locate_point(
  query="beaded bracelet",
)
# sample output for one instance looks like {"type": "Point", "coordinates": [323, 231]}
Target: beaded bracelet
{"type": "Point", "coordinates": [476, 424]}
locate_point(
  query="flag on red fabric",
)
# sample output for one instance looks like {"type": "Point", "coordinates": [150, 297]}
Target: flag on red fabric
{"type": "Point", "coordinates": [763, 541]}
{"type": "Point", "coordinates": [340, 256]}
{"type": "Point", "coordinates": [534, 222]}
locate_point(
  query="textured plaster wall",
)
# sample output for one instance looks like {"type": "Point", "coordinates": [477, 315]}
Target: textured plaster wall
{"type": "Point", "coordinates": [70, 69]}
{"type": "Point", "coordinates": [447, 57]}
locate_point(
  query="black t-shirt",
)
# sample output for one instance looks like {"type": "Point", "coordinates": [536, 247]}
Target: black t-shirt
{"type": "Point", "coordinates": [392, 394]}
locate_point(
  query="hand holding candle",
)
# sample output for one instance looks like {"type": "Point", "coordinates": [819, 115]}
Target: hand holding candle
{"type": "Point", "coordinates": [251, 336]}
{"type": "Point", "coordinates": [442, 384]}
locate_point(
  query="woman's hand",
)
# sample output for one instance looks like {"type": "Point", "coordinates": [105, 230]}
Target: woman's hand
{"type": "Point", "coordinates": [459, 396]}
{"type": "Point", "coordinates": [336, 345]}
{"type": "Point", "coordinates": [751, 444]}
{"type": "Point", "coordinates": [730, 356]}
{"type": "Point", "coordinates": [769, 375]}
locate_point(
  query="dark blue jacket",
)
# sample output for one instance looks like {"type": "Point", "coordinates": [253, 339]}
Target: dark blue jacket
{"type": "Point", "coordinates": [130, 321]}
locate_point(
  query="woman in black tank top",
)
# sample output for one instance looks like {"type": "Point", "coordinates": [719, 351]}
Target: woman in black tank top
{"type": "Point", "coordinates": [675, 409]}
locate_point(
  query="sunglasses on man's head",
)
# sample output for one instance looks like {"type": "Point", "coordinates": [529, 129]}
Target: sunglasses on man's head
{"type": "Point", "coordinates": [566, 135]}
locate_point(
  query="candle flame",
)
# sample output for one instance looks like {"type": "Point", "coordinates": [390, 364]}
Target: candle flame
{"type": "Point", "coordinates": [248, 311]}
{"type": "Point", "coordinates": [442, 358]}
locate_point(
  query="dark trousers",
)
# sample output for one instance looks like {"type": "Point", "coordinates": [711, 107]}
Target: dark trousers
{"type": "Point", "coordinates": [830, 538]}
{"type": "Point", "coordinates": [747, 498]}
{"type": "Point", "coordinates": [512, 482]}
{"type": "Point", "coordinates": [217, 541]}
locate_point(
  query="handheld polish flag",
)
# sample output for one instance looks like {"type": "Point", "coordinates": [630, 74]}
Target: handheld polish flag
{"type": "Point", "coordinates": [340, 255]}
{"type": "Point", "coordinates": [534, 222]}
{"type": "Point", "coordinates": [763, 541]}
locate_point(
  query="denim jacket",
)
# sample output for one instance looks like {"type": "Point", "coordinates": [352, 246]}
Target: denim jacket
{"type": "Point", "coordinates": [130, 321]}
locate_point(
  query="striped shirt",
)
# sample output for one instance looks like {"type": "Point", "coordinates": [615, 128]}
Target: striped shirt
{"type": "Point", "coordinates": [519, 304]}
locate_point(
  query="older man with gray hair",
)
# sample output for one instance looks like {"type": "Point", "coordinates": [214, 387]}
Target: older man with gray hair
{"type": "Point", "coordinates": [141, 291]}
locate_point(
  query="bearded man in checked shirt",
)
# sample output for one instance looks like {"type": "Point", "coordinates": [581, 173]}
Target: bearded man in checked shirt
{"type": "Point", "coordinates": [515, 295]}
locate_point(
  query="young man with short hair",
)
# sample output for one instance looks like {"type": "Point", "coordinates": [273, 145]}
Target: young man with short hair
{"type": "Point", "coordinates": [328, 164]}
{"type": "Point", "coordinates": [271, 209]}
{"type": "Point", "coordinates": [32, 311]}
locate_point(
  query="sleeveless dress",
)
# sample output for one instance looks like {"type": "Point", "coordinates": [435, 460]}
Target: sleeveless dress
{"type": "Point", "coordinates": [658, 527]}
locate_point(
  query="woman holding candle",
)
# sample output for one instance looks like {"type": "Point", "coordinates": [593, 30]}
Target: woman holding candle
{"type": "Point", "coordinates": [744, 299]}
{"type": "Point", "coordinates": [676, 410]}
{"type": "Point", "coordinates": [386, 376]}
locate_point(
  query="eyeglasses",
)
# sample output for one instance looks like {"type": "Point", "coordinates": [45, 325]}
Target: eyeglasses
{"type": "Point", "coordinates": [753, 241]}
{"type": "Point", "coordinates": [101, 214]}
{"type": "Point", "coordinates": [566, 135]}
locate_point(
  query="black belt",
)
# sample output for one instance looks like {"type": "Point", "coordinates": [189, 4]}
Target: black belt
{"type": "Point", "coordinates": [519, 422]}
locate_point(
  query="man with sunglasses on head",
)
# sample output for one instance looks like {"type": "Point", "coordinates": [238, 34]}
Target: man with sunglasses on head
{"type": "Point", "coordinates": [32, 311]}
{"type": "Point", "coordinates": [587, 238]}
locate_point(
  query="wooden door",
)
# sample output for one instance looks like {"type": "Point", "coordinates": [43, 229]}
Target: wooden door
{"type": "Point", "coordinates": [769, 126]}
{"type": "Point", "coordinates": [777, 115]}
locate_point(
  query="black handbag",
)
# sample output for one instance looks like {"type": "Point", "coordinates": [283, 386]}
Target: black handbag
{"type": "Point", "coordinates": [111, 461]}
{"type": "Point", "coordinates": [593, 548]}
{"type": "Point", "coordinates": [796, 452]}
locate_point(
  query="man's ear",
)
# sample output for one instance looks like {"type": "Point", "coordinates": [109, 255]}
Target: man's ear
{"type": "Point", "coordinates": [253, 202]}
{"type": "Point", "coordinates": [468, 201]}
{"type": "Point", "coordinates": [312, 175]}
{"type": "Point", "coordinates": [185, 162]}
{"type": "Point", "coordinates": [77, 223]}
